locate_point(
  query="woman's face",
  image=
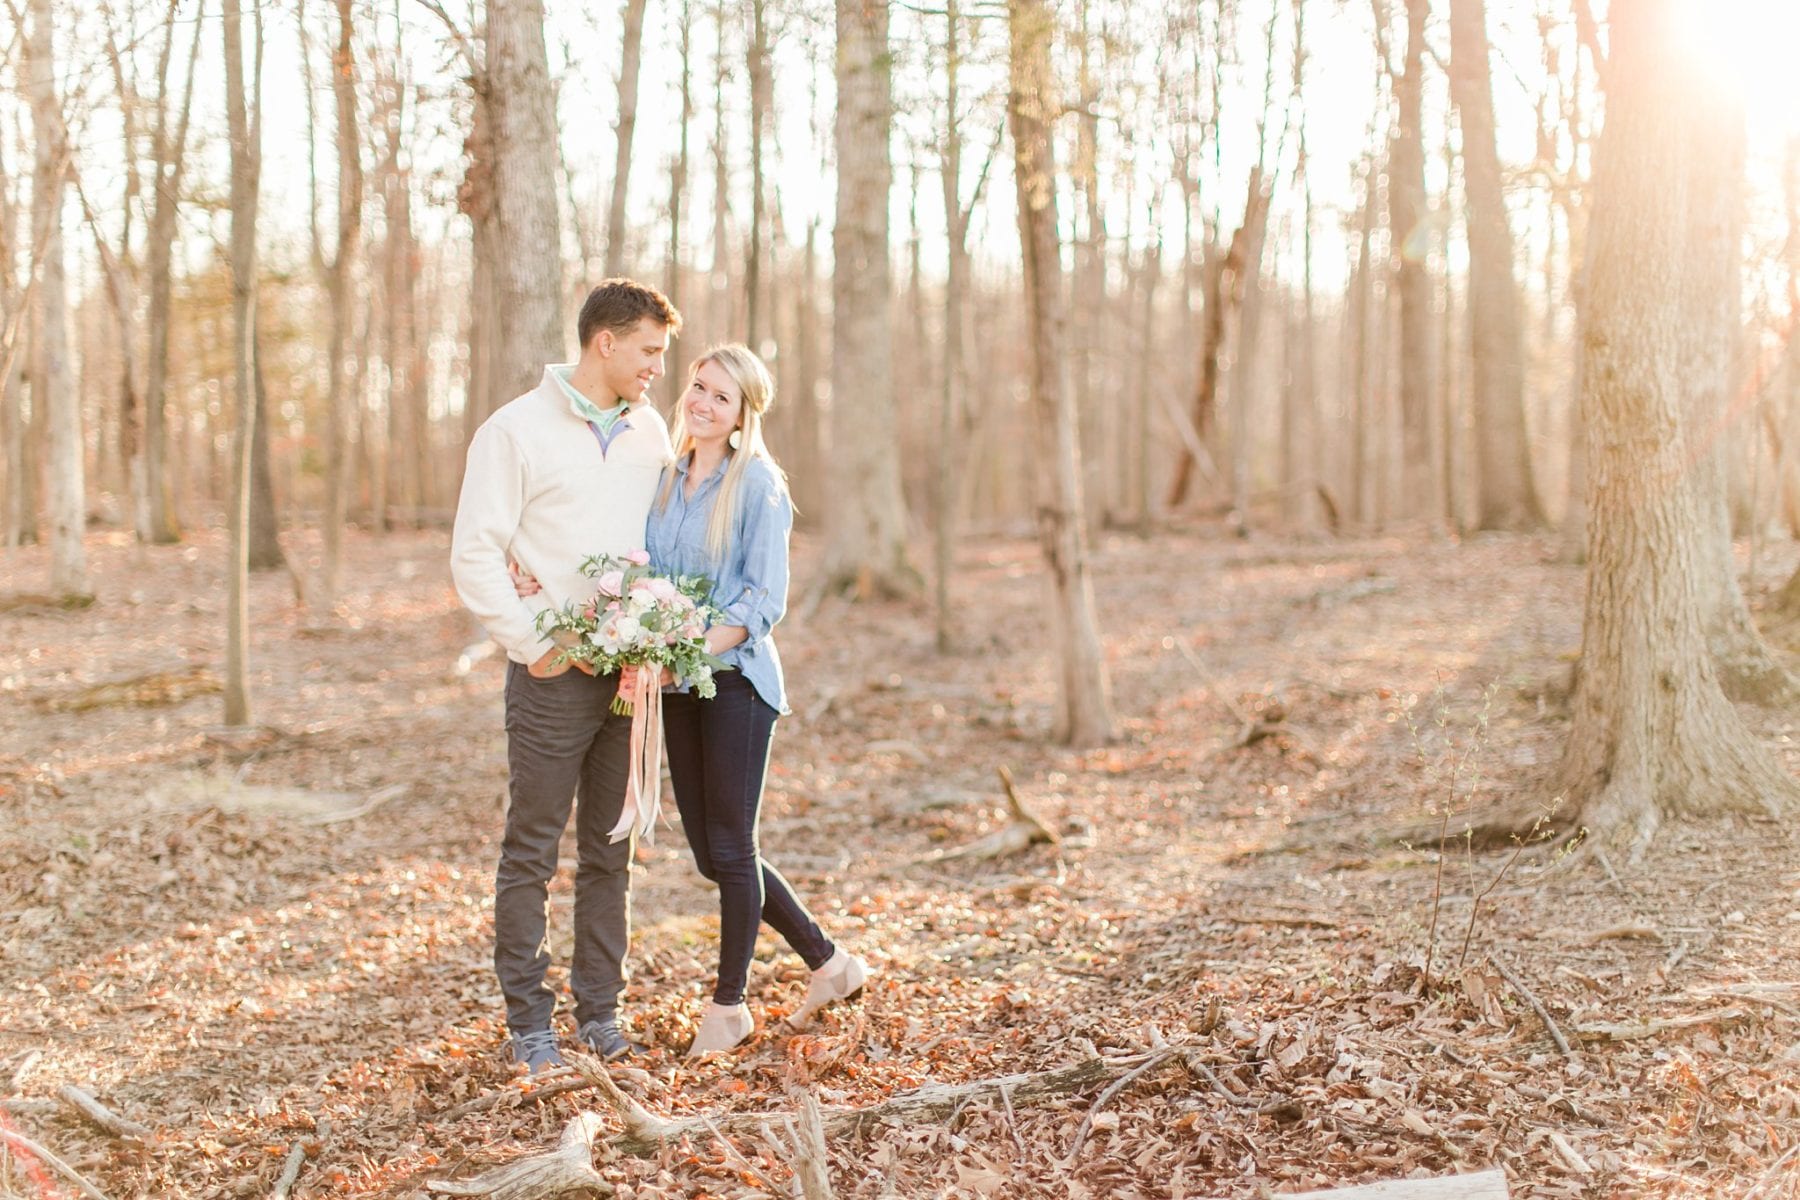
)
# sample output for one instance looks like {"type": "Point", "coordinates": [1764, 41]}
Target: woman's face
{"type": "Point", "coordinates": [713, 405]}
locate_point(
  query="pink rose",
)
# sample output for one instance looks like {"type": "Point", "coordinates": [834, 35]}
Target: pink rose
{"type": "Point", "coordinates": [662, 589]}
{"type": "Point", "coordinates": [611, 582]}
{"type": "Point", "coordinates": [639, 558]}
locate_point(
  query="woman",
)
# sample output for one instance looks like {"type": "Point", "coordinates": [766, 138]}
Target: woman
{"type": "Point", "coordinates": [723, 512]}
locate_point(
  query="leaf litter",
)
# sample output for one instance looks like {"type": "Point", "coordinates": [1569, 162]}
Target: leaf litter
{"type": "Point", "coordinates": [275, 946]}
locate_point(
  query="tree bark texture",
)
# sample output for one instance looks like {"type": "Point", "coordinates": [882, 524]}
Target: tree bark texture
{"type": "Point", "coordinates": [866, 523]}
{"type": "Point", "coordinates": [1084, 710]}
{"type": "Point", "coordinates": [246, 170]}
{"type": "Point", "coordinates": [630, 56]}
{"type": "Point", "coordinates": [528, 253]}
{"type": "Point", "coordinates": [1652, 733]}
{"type": "Point", "coordinates": [53, 390]}
{"type": "Point", "coordinates": [678, 185]}
{"type": "Point", "coordinates": [1507, 492]}
{"type": "Point", "coordinates": [1410, 226]}
{"type": "Point", "coordinates": [14, 494]}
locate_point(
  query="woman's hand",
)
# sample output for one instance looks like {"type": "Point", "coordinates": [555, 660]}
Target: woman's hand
{"type": "Point", "coordinates": [523, 581]}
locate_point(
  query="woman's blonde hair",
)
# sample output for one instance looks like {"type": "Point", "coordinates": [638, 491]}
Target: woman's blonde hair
{"type": "Point", "coordinates": [757, 388]}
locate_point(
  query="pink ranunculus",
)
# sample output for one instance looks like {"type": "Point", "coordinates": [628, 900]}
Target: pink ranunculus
{"type": "Point", "coordinates": [663, 590]}
{"type": "Point", "coordinates": [639, 558]}
{"type": "Point", "coordinates": [611, 583]}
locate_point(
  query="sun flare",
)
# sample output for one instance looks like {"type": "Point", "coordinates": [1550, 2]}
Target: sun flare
{"type": "Point", "coordinates": [1749, 45]}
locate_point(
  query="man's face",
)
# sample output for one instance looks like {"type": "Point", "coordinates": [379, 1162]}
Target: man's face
{"type": "Point", "coordinates": [633, 361]}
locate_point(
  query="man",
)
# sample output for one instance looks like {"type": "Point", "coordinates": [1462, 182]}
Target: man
{"type": "Point", "coordinates": [566, 471]}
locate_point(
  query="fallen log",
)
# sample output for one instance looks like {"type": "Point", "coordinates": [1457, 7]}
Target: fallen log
{"type": "Point", "coordinates": [1025, 828]}
{"type": "Point", "coordinates": [100, 1115]}
{"type": "Point", "coordinates": [568, 1168]}
{"type": "Point", "coordinates": [1482, 1185]}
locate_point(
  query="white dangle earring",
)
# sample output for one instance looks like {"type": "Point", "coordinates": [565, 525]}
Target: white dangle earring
{"type": "Point", "coordinates": [736, 440]}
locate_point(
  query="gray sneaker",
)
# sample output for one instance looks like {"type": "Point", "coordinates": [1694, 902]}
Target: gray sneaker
{"type": "Point", "coordinates": [604, 1039]}
{"type": "Point", "coordinates": [536, 1051]}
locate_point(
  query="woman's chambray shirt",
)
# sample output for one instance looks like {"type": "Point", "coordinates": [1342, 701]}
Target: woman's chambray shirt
{"type": "Point", "coordinates": [750, 586]}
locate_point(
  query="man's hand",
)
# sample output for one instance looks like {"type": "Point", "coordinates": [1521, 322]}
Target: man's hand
{"type": "Point", "coordinates": [548, 668]}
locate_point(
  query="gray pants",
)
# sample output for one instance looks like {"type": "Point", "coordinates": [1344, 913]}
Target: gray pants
{"type": "Point", "coordinates": [561, 739]}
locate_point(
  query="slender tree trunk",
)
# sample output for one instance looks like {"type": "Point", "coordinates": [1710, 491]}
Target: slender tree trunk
{"type": "Point", "coordinates": [246, 170]}
{"type": "Point", "coordinates": [343, 391]}
{"type": "Point", "coordinates": [760, 100]}
{"type": "Point", "coordinates": [168, 170]}
{"type": "Point", "coordinates": [475, 199]}
{"type": "Point", "coordinates": [265, 553]}
{"type": "Point", "coordinates": [678, 183]}
{"type": "Point", "coordinates": [12, 375]}
{"type": "Point", "coordinates": [528, 260]}
{"type": "Point", "coordinates": [1142, 497]}
{"type": "Point", "coordinates": [53, 389]}
{"type": "Point", "coordinates": [1652, 732]}
{"type": "Point", "coordinates": [1084, 709]}
{"type": "Point", "coordinates": [1409, 222]}
{"type": "Point", "coordinates": [866, 524]}
{"type": "Point", "coordinates": [943, 450]}
{"type": "Point", "coordinates": [719, 307]}
{"type": "Point", "coordinates": [806, 455]}
{"type": "Point", "coordinates": [630, 55]}
{"type": "Point", "coordinates": [1508, 494]}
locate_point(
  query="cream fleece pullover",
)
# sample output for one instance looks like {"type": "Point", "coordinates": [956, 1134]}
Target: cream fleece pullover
{"type": "Point", "coordinates": [540, 490]}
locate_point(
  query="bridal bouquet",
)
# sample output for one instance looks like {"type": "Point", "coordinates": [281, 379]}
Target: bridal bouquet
{"type": "Point", "coordinates": [641, 619]}
{"type": "Point", "coordinates": [637, 618]}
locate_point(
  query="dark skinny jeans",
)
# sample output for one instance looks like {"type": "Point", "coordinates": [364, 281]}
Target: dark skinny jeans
{"type": "Point", "coordinates": [718, 757]}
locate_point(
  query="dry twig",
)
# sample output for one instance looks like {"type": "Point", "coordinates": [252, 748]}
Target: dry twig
{"type": "Point", "coordinates": [19, 1141]}
{"type": "Point", "coordinates": [100, 1115]}
{"type": "Point", "coordinates": [1537, 1006]}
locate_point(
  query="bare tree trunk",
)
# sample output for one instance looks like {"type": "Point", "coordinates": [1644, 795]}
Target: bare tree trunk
{"type": "Point", "coordinates": [528, 260]}
{"type": "Point", "coordinates": [630, 55]}
{"type": "Point", "coordinates": [1652, 732]}
{"type": "Point", "coordinates": [760, 101]}
{"type": "Point", "coordinates": [14, 494]}
{"type": "Point", "coordinates": [719, 308]}
{"type": "Point", "coordinates": [866, 524]}
{"type": "Point", "coordinates": [807, 459]}
{"type": "Point", "coordinates": [475, 198]}
{"type": "Point", "coordinates": [1712, 326]}
{"type": "Point", "coordinates": [950, 401]}
{"type": "Point", "coordinates": [1508, 494]}
{"type": "Point", "coordinates": [1084, 709]}
{"type": "Point", "coordinates": [53, 390]}
{"type": "Point", "coordinates": [343, 390]}
{"type": "Point", "coordinates": [1142, 501]}
{"type": "Point", "coordinates": [246, 170]}
{"type": "Point", "coordinates": [1410, 226]}
{"type": "Point", "coordinates": [678, 183]}
{"type": "Point", "coordinates": [265, 553]}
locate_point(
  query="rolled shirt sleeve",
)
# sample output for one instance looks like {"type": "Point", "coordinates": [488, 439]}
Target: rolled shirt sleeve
{"type": "Point", "coordinates": [764, 522]}
{"type": "Point", "coordinates": [487, 518]}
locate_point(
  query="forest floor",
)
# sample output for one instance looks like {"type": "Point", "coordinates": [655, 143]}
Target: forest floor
{"type": "Point", "coordinates": [249, 944]}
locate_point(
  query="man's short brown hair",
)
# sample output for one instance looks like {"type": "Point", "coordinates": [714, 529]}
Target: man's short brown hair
{"type": "Point", "coordinates": [619, 304]}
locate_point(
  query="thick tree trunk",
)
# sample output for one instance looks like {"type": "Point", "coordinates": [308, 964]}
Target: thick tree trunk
{"type": "Point", "coordinates": [246, 171]}
{"type": "Point", "coordinates": [53, 389]}
{"type": "Point", "coordinates": [1652, 734]}
{"type": "Point", "coordinates": [866, 523]}
{"type": "Point", "coordinates": [1712, 326]}
{"type": "Point", "coordinates": [1410, 226]}
{"type": "Point", "coordinates": [630, 56]}
{"type": "Point", "coordinates": [1084, 708]}
{"type": "Point", "coordinates": [528, 256]}
{"type": "Point", "coordinates": [1508, 494]}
